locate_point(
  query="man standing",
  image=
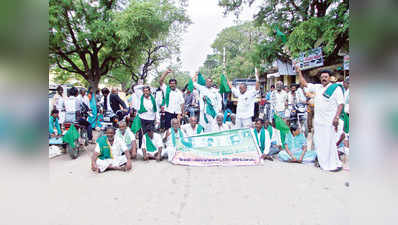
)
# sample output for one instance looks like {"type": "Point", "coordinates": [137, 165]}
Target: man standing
{"type": "Point", "coordinates": [328, 105]}
{"type": "Point", "coordinates": [192, 128]}
{"type": "Point", "coordinates": [246, 101]}
{"type": "Point", "coordinates": [108, 153]}
{"type": "Point", "coordinates": [173, 100]}
{"type": "Point", "coordinates": [209, 101]}
{"type": "Point", "coordinates": [279, 100]}
{"type": "Point", "coordinates": [58, 102]}
{"type": "Point", "coordinates": [147, 112]}
{"type": "Point", "coordinates": [116, 101]}
{"type": "Point", "coordinates": [171, 137]}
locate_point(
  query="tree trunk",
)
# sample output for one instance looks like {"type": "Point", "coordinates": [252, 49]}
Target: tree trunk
{"type": "Point", "coordinates": [94, 84]}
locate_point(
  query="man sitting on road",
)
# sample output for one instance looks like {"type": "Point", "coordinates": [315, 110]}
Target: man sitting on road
{"type": "Point", "coordinates": [53, 124]}
{"type": "Point", "coordinates": [108, 153]}
{"type": "Point", "coordinates": [219, 125]}
{"type": "Point", "coordinates": [171, 137]}
{"type": "Point", "coordinates": [152, 145]}
{"type": "Point", "coordinates": [262, 138]}
{"type": "Point", "coordinates": [192, 128]}
{"type": "Point", "coordinates": [275, 137]}
{"type": "Point", "coordinates": [128, 137]}
{"type": "Point", "coordinates": [296, 147]}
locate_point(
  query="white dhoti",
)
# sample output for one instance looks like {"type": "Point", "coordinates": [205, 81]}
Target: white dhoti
{"type": "Point", "coordinates": [151, 154]}
{"type": "Point", "coordinates": [171, 151]}
{"type": "Point", "coordinates": [104, 164]}
{"type": "Point", "coordinates": [243, 122]}
{"type": "Point", "coordinates": [325, 146]}
{"type": "Point", "coordinates": [61, 117]}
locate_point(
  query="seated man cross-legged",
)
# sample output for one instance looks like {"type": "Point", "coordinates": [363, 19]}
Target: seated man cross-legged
{"type": "Point", "coordinates": [151, 145]}
{"type": "Point", "coordinates": [296, 147]}
{"type": "Point", "coordinates": [128, 137]}
{"type": "Point", "coordinates": [172, 135]}
{"type": "Point", "coordinates": [108, 153]}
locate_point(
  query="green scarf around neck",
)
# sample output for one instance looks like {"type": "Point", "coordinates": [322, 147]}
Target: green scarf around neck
{"type": "Point", "coordinates": [199, 128]}
{"type": "Point", "coordinates": [209, 109]}
{"type": "Point", "coordinates": [142, 107]}
{"type": "Point", "coordinates": [150, 147]}
{"type": "Point", "coordinates": [261, 143]}
{"type": "Point", "coordinates": [105, 148]}
{"type": "Point", "coordinates": [173, 135]}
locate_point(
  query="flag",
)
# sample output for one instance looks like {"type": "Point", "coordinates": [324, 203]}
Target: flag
{"type": "Point", "coordinates": [190, 85]}
{"type": "Point", "coordinates": [71, 136]}
{"type": "Point", "coordinates": [201, 79]}
{"type": "Point", "coordinates": [280, 34]}
{"type": "Point", "coordinates": [136, 126]}
{"type": "Point", "coordinates": [224, 87]}
{"type": "Point", "coordinates": [282, 127]}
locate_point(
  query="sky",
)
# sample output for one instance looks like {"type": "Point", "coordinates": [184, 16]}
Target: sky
{"type": "Point", "coordinates": [208, 20]}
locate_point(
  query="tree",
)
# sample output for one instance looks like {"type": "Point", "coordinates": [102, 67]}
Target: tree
{"type": "Point", "coordinates": [239, 42]}
{"type": "Point", "coordinates": [89, 37]}
{"type": "Point", "coordinates": [307, 24]}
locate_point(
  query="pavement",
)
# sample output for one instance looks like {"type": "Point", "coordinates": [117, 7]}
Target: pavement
{"type": "Point", "coordinates": [157, 193]}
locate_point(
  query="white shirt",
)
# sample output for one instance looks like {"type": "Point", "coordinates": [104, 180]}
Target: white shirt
{"type": "Point", "coordinates": [156, 140]}
{"type": "Point", "coordinates": [276, 136]}
{"type": "Point", "coordinates": [278, 100]}
{"type": "Point", "coordinates": [188, 130]}
{"type": "Point", "coordinates": [70, 104]}
{"type": "Point", "coordinates": [149, 114]}
{"type": "Point", "coordinates": [300, 98]}
{"type": "Point", "coordinates": [245, 107]}
{"type": "Point", "coordinates": [59, 102]}
{"type": "Point", "coordinates": [216, 128]}
{"type": "Point", "coordinates": [128, 137]}
{"type": "Point", "coordinates": [325, 108]}
{"type": "Point", "coordinates": [267, 142]}
{"type": "Point", "coordinates": [176, 98]}
{"type": "Point", "coordinates": [117, 148]}
{"type": "Point", "coordinates": [213, 95]}
{"type": "Point", "coordinates": [169, 141]}
{"type": "Point", "coordinates": [84, 100]}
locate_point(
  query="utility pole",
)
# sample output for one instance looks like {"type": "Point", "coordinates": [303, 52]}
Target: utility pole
{"type": "Point", "coordinates": [224, 65]}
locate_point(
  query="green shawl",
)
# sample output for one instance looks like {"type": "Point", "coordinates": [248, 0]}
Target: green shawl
{"type": "Point", "coordinates": [136, 125]}
{"type": "Point", "coordinates": [199, 128]}
{"type": "Point", "coordinates": [269, 128]}
{"type": "Point", "coordinates": [224, 87]}
{"type": "Point", "coordinates": [343, 116]}
{"type": "Point", "coordinates": [261, 143]}
{"type": "Point", "coordinates": [71, 136]}
{"type": "Point", "coordinates": [209, 109]}
{"type": "Point", "coordinates": [166, 98]}
{"type": "Point", "coordinates": [105, 147]}
{"type": "Point", "coordinates": [142, 107]}
{"type": "Point", "coordinates": [173, 135]}
{"type": "Point", "coordinates": [150, 147]}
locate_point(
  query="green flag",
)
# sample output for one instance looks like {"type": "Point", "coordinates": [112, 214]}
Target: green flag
{"type": "Point", "coordinates": [201, 79]}
{"type": "Point", "coordinates": [280, 34]}
{"type": "Point", "coordinates": [136, 126]}
{"type": "Point", "coordinates": [224, 87]}
{"type": "Point", "coordinates": [71, 135]}
{"type": "Point", "coordinates": [190, 85]}
{"type": "Point", "coordinates": [282, 127]}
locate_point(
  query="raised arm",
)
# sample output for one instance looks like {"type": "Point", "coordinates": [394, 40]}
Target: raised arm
{"type": "Point", "coordinates": [161, 80]}
{"type": "Point", "coordinates": [303, 82]}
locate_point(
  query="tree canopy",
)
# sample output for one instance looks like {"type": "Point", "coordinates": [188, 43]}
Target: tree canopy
{"type": "Point", "coordinates": [306, 24]}
{"type": "Point", "coordinates": [90, 38]}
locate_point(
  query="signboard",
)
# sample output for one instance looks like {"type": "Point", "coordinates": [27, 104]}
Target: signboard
{"type": "Point", "coordinates": [226, 148]}
{"type": "Point", "coordinates": [347, 62]}
{"type": "Point", "coordinates": [309, 59]}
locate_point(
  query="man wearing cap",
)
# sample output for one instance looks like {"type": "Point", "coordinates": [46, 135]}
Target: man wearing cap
{"type": "Point", "coordinates": [328, 106]}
